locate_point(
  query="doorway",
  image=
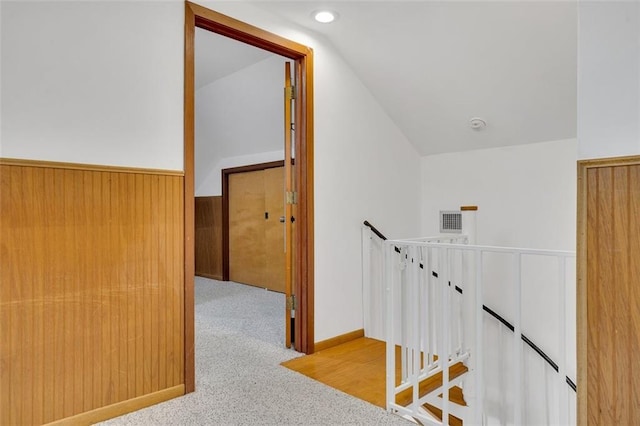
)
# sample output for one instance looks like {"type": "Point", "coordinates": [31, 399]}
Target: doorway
{"type": "Point", "coordinates": [198, 16]}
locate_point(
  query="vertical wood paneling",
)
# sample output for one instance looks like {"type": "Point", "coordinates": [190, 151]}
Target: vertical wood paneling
{"type": "Point", "coordinates": [163, 283]}
{"type": "Point", "coordinates": [17, 400]}
{"type": "Point", "coordinates": [593, 296]}
{"type": "Point", "coordinates": [620, 305]}
{"type": "Point", "coordinates": [180, 329]}
{"type": "Point", "coordinates": [603, 303]}
{"type": "Point", "coordinates": [139, 210]}
{"type": "Point", "coordinates": [5, 311]}
{"type": "Point", "coordinates": [153, 312]}
{"type": "Point", "coordinates": [612, 294]}
{"type": "Point", "coordinates": [172, 246]}
{"type": "Point", "coordinates": [37, 216]}
{"type": "Point", "coordinates": [91, 289]}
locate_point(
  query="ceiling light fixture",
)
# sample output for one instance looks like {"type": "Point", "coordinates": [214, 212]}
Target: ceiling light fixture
{"type": "Point", "coordinates": [324, 16]}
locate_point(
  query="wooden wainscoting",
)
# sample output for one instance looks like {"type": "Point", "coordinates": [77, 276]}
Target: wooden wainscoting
{"type": "Point", "coordinates": [91, 288]}
{"type": "Point", "coordinates": [208, 226]}
{"type": "Point", "coordinates": [608, 291]}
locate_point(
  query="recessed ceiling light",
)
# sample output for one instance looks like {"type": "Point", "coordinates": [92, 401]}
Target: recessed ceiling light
{"type": "Point", "coordinates": [324, 16]}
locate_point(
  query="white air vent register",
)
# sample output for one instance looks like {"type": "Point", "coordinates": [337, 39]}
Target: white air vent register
{"type": "Point", "coordinates": [450, 222]}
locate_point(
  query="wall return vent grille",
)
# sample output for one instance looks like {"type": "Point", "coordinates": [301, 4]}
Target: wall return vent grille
{"type": "Point", "coordinates": [450, 222]}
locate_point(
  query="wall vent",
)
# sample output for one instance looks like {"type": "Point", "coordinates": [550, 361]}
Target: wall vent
{"type": "Point", "coordinates": [450, 222]}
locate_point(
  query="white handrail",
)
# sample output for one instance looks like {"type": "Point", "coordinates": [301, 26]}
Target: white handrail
{"type": "Point", "coordinates": [494, 249]}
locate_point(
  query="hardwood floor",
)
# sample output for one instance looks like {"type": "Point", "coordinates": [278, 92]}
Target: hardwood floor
{"type": "Point", "coordinates": [358, 368]}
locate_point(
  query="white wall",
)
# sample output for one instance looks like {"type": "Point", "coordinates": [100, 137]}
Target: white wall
{"type": "Point", "coordinates": [526, 197]}
{"type": "Point", "coordinates": [102, 82]}
{"type": "Point", "coordinates": [238, 115]}
{"type": "Point", "coordinates": [526, 194]}
{"type": "Point", "coordinates": [608, 78]}
{"type": "Point", "coordinates": [94, 82]}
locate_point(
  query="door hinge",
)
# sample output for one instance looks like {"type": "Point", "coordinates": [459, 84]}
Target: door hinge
{"type": "Point", "coordinates": [291, 302]}
{"type": "Point", "coordinates": [292, 197]}
{"type": "Point", "coordinates": [290, 92]}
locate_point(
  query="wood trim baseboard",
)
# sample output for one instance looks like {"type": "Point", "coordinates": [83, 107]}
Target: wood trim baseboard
{"type": "Point", "coordinates": [86, 167]}
{"type": "Point", "coordinates": [121, 408]}
{"type": "Point", "coordinates": [338, 340]}
{"type": "Point", "coordinates": [211, 276]}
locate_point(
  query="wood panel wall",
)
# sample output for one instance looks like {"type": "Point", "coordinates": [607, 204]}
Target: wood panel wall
{"type": "Point", "coordinates": [208, 225]}
{"type": "Point", "coordinates": [609, 293]}
{"type": "Point", "coordinates": [91, 288]}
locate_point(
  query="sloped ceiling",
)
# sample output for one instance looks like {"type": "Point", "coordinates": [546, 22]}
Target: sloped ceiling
{"type": "Point", "coordinates": [435, 65]}
{"type": "Point", "coordinates": [217, 57]}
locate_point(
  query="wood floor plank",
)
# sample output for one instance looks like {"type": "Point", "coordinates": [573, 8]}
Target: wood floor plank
{"type": "Point", "coordinates": [358, 368]}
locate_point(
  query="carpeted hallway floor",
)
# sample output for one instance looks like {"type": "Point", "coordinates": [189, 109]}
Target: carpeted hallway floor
{"type": "Point", "coordinates": [239, 380]}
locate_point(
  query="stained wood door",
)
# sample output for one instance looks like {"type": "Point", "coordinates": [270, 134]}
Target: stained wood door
{"type": "Point", "coordinates": [289, 187]}
{"type": "Point", "coordinates": [246, 228]}
{"type": "Point", "coordinates": [256, 235]}
{"type": "Point", "coordinates": [274, 272]}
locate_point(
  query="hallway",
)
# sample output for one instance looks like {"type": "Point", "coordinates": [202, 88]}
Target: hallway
{"type": "Point", "coordinates": [239, 379]}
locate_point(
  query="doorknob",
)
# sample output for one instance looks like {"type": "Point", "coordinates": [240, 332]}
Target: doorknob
{"type": "Point", "coordinates": [282, 219]}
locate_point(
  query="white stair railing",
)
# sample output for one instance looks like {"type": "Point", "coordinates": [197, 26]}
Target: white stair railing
{"type": "Point", "coordinates": [435, 312]}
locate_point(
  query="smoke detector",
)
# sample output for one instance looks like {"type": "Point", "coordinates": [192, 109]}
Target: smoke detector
{"type": "Point", "coordinates": [477, 123]}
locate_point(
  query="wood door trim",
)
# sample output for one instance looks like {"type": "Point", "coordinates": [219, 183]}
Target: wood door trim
{"type": "Point", "coordinates": [202, 17]}
{"type": "Point", "coordinates": [189, 200]}
{"type": "Point", "coordinates": [581, 277]}
{"type": "Point", "coordinates": [227, 26]}
{"type": "Point", "coordinates": [225, 205]}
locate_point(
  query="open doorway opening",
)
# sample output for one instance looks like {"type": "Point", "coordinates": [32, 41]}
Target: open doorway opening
{"type": "Point", "coordinates": [240, 226]}
{"type": "Point", "coordinates": [300, 176]}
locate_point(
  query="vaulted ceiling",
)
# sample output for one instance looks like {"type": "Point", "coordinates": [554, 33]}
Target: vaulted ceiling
{"type": "Point", "coordinates": [435, 65]}
{"type": "Point", "coordinates": [217, 57]}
